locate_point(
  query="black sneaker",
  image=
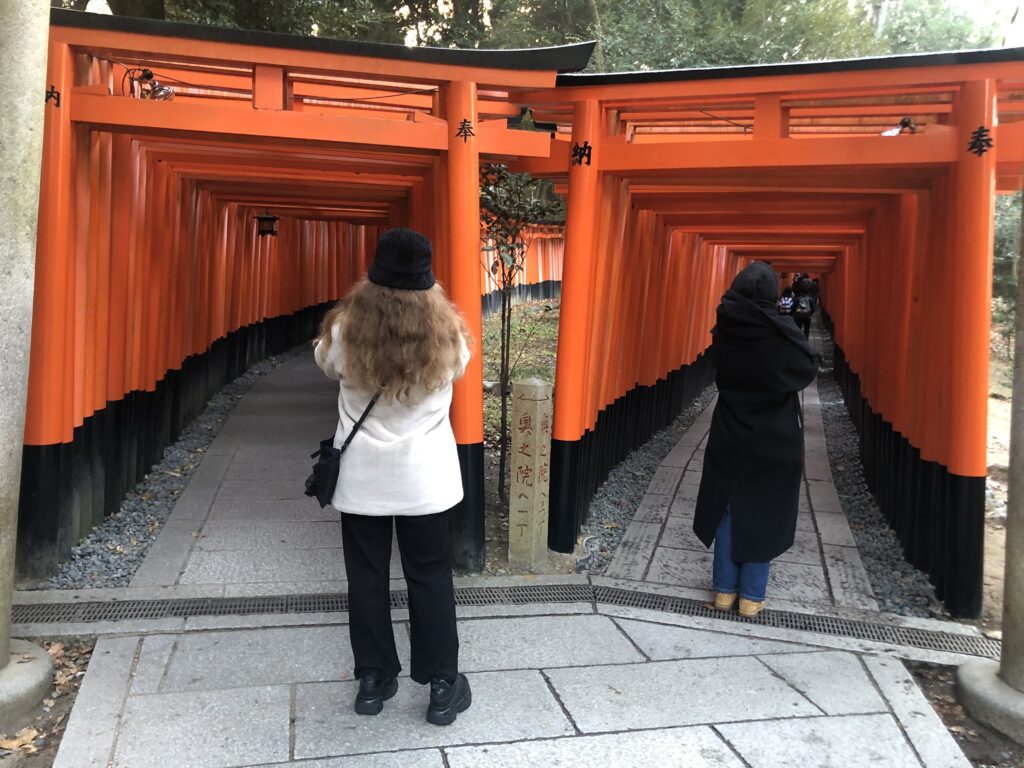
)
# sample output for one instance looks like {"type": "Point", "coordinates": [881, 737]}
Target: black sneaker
{"type": "Point", "coordinates": [373, 692]}
{"type": "Point", "coordinates": [448, 699]}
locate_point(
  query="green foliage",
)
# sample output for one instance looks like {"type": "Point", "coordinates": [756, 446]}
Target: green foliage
{"type": "Point", "coordinates": [357, 19]}
{"type": "Point", "coordinates": [509, 203]}
{"type": "Point", "coordinates": [1005, 263]}
{"type": "Point", "coordinates": [933, 25]}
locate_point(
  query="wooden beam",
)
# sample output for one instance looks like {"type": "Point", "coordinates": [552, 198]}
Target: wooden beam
{"type": "Point", "coordinates": [878, 151]}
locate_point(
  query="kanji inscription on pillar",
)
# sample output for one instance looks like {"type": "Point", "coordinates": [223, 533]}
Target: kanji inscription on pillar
{"type": "Point", "coordinates": [531, 470]}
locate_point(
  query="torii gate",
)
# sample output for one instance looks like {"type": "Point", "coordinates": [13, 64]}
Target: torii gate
{"type": "Point", "coordinates": [153, 287]}
{"type": "Point", "coordinates": [675, 179]}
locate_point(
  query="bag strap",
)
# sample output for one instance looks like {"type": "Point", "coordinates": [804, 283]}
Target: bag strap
{"type": "Point", "coordinates": [358, 424]}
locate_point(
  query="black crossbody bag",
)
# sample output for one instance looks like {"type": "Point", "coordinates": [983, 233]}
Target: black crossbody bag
{"type": "Point", "coordinates": [322, 483]}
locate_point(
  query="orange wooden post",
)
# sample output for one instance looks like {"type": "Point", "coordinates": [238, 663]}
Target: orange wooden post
{"type": "Point", "coordinates": [970, 299]}
{"type": "Point", "coordinates": [464, 286]}
{"type": "Point", "coordinates": [577, 282]}
{"type": "Point", "coordinates": [969, 302]}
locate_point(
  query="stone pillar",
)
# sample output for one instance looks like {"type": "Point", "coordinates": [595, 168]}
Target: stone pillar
{"type": "Point", "coordinates": [531, 469]}
{"type": "Point", "coordinates": [994, 692]}
{"type": "Point", "coordinates": [24, 29]}
{"type": "Point", "coordinates": [24, 26]}
{"type": "Point", "coordinates": [1012, 665]}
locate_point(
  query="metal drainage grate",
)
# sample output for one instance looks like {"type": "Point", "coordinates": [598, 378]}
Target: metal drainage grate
{"type": "Point", "coordinates": [948, 642]}
{"type": "Point", "coordinates": [933, 640]}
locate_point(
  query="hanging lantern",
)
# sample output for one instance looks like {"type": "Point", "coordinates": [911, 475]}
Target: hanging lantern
{"type": "Point", "coordinates": [267, 224]}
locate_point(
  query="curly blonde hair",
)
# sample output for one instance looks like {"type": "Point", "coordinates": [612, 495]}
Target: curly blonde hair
{"type": "Point", "coordinates": [396, 341]}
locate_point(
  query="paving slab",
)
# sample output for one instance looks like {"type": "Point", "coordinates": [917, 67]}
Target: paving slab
{"type": "Point", "coordinates": [683, 507]}
{"type": "Point", "coordinates": [507, 706]}
{"type": "Point", "coordinates": [262, 534]}
{"type": "Point", "coordinates": [848, 578]}
{"type": "Point", "coordinates": [261, 509]}
{"type": "Point", "coordinates": [857, 741]}
{"type": "Point", "coordinates": [696, 747]}
{"type": "Point", "coordinates": [678, 534]}
{"type": "Point", "coordinates": [663, 643]}
{"type": "Point", "coordinates": [665, 480]}
{"type": "Point", "coordinates": [660, 694]}
{"type": "Point", "coordinates": [272, 656]}
{"type": "Point", "coordinates": [836, 682]}
{"type": "Point", "coordinates": [786, 581]}
{"type": "Point", "coordinates": [824, 497]}
{"type": "Point", "coordinates": [679, 457]}
{"type": "Point", "coordinates": [205, 729]}
{"type": "Point", "coordinates": [634, 551]}
{"type": "Point", "coordinates": [268, 470]}
{"type": "Point", "coordinates": [834, 529]}
{"type": "Point", "coordinates": [922, 725]}
{"type": "Point", "coordinates": [262, 490]}
{"type": "Point", "coordinates": [653, 508]}
{"type": "Point", "coordinates": [265, 565]}
{"type": "Point", "coordinates": [197, 498]}
{"type": "Point", "coordinates": [542, 642]}
{"type": "Point", "coordinates": [419, 758]}
{"type": "Point", "coordinates": [806, 549]}
{"type": "Point", "coordinates": [149, 671]}
{"type": "Point", "coordinates": [89, 738]}
{"type": "Point", "coordinates": [167, 557]}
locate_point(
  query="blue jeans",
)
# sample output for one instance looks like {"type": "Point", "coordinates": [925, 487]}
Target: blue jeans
{"type": "Point", "coordinates": [750, 580]}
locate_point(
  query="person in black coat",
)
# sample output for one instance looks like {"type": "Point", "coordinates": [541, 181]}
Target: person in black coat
{"type": "Point", "coordinates": [753, 465]}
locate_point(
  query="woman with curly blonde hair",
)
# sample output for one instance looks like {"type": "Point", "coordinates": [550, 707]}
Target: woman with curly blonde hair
{"type": "Point", "coordinates": [395, 344]}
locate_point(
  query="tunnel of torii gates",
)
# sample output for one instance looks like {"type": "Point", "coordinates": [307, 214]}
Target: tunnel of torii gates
{"type": "Point", "coordinates": [154, 288]}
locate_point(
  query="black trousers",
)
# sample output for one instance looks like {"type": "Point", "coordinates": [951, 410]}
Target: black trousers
{"type": "Point", "coordinates": [425, 544]}
{"type": "Point", "coordinates": [804, 324]}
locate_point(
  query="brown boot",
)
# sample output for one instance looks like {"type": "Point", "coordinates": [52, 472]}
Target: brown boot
{"type": "Point", "coordinates": [724, 601]}
{"type": "Point", "coordinates": [750, 608]}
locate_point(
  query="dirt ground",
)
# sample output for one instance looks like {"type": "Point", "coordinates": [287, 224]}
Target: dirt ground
{"type": "Point", "coordinates": [984, 747]}
{"type": "Point", "coordinates": [534, 348]}
{"type": "Point", "coordinates": [35, 744]}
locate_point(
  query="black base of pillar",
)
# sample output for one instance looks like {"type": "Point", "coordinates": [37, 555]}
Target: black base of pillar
{"type": "Point", "coordinates": [467, 520]}
{"type": "Point", "coordinates": [68, 488]}
{"type": "Point", "coordinates": [939, 517]}
{"type": "Point", "coordinates": [579, 467]}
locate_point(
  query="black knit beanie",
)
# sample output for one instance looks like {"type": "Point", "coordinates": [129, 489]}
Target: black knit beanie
{"type": "Point", "coordinates": [402, 260]}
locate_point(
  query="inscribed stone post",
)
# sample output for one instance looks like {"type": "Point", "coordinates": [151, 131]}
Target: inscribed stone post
{"type": "Point", "coordinates": [531, 463]}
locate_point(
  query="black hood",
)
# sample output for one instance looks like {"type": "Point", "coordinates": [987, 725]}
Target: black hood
{"type": "Point", "coordinates": [748, 308]}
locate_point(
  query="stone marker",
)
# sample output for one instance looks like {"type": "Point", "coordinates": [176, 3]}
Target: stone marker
{"type": "Point", "coordinates": [531, 463]}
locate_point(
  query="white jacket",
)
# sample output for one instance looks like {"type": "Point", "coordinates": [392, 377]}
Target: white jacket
{"type": "Point", "coordinates": [403, 460]}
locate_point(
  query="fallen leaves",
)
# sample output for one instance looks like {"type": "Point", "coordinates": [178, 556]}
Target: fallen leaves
{"type": "Point", "coordinates": [44, 734]}
{"type": "Point", "coordinates": [22, 739]}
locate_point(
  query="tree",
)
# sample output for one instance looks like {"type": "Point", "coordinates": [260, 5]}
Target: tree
{"type": "Point", "coordinates": [911, 26]}
{"type": "Point", "coordinates": [509, 204]}
{"type": "Point", "coordinates": [1004, 266]}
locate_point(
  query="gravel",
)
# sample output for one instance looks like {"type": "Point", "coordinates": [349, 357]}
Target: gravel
{"type": "Point", "coordinates": [899, 587]}
{"type": "Point", "coordinates": [616, 501]}
{"type": "Point", "coordinates": [110, 555]}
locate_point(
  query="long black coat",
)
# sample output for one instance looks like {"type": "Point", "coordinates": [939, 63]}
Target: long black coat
{"type": "Point", "coordinates": [754, 456]}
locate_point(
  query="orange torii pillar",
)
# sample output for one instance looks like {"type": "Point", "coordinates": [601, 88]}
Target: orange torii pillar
{"type": "Point", "coordinates": [573, 337]}
{"type": "Point", "coordinates": [970, 302]}
{"type": "Point", "coordinates": [464, 288]}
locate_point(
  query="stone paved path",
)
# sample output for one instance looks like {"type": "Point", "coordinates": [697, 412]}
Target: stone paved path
{"type": "Point", "coordinates": [554, 684]}
{"type": "Point", "coordinates": [243, 525]}
{"type": "Point", "coordinates": [616, 686]}
{"type": "Point", "coordinates": [822, 569]}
